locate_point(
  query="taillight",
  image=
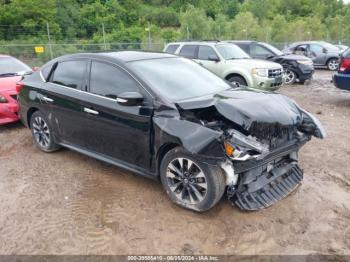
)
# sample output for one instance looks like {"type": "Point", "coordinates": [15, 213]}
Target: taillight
{"type": "Point", "coordinates": [19, 86]}
{"type": "Point", "coordinates": [344, 64]}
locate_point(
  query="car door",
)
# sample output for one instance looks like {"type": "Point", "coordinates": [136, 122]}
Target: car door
{"type": "Point", "coordinates": [113, 130]}
{"type": "Point", "coordinates": [64, 87]}
{"type": "Point", "coordinates": [207, 57]}
{"type": "Point", "coordinates": [317, 54]}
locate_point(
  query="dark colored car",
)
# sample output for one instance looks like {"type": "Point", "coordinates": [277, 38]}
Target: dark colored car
{"type": "Point", "coordinates": [296, 67]}
{"type": "Point", "coordinates": [164, 116]}
{"type": "Point", "coordinates": [341, 79]}
{"type": "Point", "coordinates": [323, 54]}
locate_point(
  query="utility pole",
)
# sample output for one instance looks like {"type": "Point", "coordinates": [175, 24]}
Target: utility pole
{"type": "Point", "coordinates": [49, 38]}
{"type": "Point", "coordinates": [104, 36]}
{"type": "Point", "coordinates": [149, 36]}
{"type": "Point", "coordinates": [188, 33]}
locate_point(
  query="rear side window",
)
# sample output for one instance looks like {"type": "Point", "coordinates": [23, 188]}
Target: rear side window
{"type": "Point", "coordinates": [69, 74]}
{"type": "Point", "coordinates": [188, 51]}
{"type": "Point", "coordinates": [45, 71]}
{"type": "Point", "coordinates": [205, 51]}
{"type": "Point", "coordinates": [171, 49]}
{"type": "Point", "coordinates": [109, 81]}
{"type": "Point", "coordinates": [316, 48]}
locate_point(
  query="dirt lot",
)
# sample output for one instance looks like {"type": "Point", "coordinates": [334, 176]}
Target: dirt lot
{"type": "Point", "coordinates": [66, 203]}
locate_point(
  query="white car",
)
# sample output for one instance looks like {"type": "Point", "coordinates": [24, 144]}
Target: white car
{"type": "Point", "coordinates": [231, 63]}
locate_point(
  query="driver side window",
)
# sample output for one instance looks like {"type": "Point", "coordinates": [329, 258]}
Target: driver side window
{"type": "Point", "coordinates": [109, 81]}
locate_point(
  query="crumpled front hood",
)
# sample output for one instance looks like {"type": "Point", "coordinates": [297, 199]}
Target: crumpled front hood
{"type": "Point", "coordinates": [246, 106]}
{"type": "Point", "coordinates": [293, 57]}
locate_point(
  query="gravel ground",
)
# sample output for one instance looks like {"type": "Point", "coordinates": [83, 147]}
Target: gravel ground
{"type": "Point", "coordinates": [67, 203]}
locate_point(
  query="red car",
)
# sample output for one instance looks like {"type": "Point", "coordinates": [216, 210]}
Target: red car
{"type": "Point", "coordinates": [11, 71]}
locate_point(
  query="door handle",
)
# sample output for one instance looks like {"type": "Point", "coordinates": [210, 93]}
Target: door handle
{"type": "Point", "coordinates": [90, 111]}
{"type": "Point", "coordinates": [47, 99]}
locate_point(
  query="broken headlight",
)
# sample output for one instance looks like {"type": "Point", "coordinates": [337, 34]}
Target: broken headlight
{"type": "Point", "coordinates": [312, 126]}
{"type": "Point", "coordinates": [240, 147]}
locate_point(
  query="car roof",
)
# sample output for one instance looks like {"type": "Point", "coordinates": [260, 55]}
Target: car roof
{"type": "Point", "coordinates": [4, 55]}
{"type": "Point", "coordinates": [241, 41]}
{"type": "Point", "coordinates": [309, 42]}
{"type": "Point", "coordinates": [129, 56]}
{"type": "Point", "coordinates": [120, 56]}
{"type": "Point", "coordinates": [214, 42]}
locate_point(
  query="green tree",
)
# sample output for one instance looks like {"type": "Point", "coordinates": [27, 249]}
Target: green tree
{"type": "Point", "coordinates": [245, 26]}
{"type": "Point", "coordinates": [195, 24]}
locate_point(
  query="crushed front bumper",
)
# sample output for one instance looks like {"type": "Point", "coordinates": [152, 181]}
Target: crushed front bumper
{"type": "Point", "coordinates": [263, 182]}
{"type": "Point", "coordinates": [269, 188]}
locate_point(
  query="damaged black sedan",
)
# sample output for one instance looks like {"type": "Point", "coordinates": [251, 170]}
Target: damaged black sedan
{"type": "Point", "coordinates": [166, 117]}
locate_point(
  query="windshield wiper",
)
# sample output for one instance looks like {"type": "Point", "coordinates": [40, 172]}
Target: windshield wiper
{"type": "Point", "coordinates": [8, 74]}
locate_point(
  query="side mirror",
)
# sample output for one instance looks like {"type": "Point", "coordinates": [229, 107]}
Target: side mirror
{"type": "Point", "coordinates": [130, 99]}
{"type": "Point", "coordinates": [213, 58]}
{"type": "Point", "coordinates": [324, 50]}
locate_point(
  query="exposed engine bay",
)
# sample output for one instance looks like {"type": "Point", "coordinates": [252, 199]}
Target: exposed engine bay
{"type": "Point", "coordinates": [261, 142]}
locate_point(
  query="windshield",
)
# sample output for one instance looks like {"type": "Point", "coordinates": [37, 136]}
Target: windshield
{"type": "Point", "coordinates": [10, 65]}
{"type": "Point", "coordinates": [330, 47]}
{"type": "Point", "coordinates": [272, 49]}
{"type": "Point", "coordinates": [231, 51]}
{"type": "Point", "coordinates": [178, 78]}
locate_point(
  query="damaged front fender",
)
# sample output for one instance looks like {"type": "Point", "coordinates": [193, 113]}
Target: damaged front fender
{"type": "Point", "coordinates": [196, 139]}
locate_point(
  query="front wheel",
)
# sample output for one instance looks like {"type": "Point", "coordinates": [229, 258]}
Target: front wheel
{"type": "Point", "coordinates": [237, 81]}
{"type": "Point", "coordinates": [333, 64]}
{"type": "Point", "coordinates": [190, 183]}
{"type": "Point", "coordinates": [41, 132]}
{"type": "Point", "coordinates": [290, 77]}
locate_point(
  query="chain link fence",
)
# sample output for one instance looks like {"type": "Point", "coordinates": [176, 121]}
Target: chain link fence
{"type": "Point", "coordinates": [38, 54]}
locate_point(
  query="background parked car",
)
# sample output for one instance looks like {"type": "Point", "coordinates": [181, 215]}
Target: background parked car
{"type": "Point", "coordinates": [342, 78]}
{"type": "Point", "coordinates": [323, 54]}
{"type": "Point", "coordinates": [11, 71]}
{"type": "Point", "coordinates": [296, 67]}
{"type": "Point", "coordinates": [231, 63]}
{"type": "Point", "coordinates": [342, 47]}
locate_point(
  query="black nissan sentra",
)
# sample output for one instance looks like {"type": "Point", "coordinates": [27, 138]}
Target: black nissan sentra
{"type": "Point", "coordinates": [166, 117]}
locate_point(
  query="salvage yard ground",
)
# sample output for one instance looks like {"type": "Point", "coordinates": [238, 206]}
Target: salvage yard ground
{"type": "Point", "coordinates": [67, 203]}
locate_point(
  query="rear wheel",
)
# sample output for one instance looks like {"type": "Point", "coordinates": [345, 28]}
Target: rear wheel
{"type": "Point", "coordinates": [41, 132]}
{"type": "Point", "coordinates": [189, 182]}
{"type": "Point", "coordinates": [237, 81]}
{"type": "Point", "coordinates": [333, 64]}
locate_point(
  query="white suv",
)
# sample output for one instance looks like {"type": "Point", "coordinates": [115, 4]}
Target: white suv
{"type": "Point", "coordinates": [231, 63]}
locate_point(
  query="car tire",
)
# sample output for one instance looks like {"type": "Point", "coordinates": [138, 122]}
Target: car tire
{"type": "Point", "coordinates": [41, 132]}
{"type": "Point", "coordinates": [290, 77]}
{"type": "Point", "coordinates": [237, 81]}
{"type": "Point", "coordinates": [333, 64]}
{"type": "Point", "coordinates": [189, 182]}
